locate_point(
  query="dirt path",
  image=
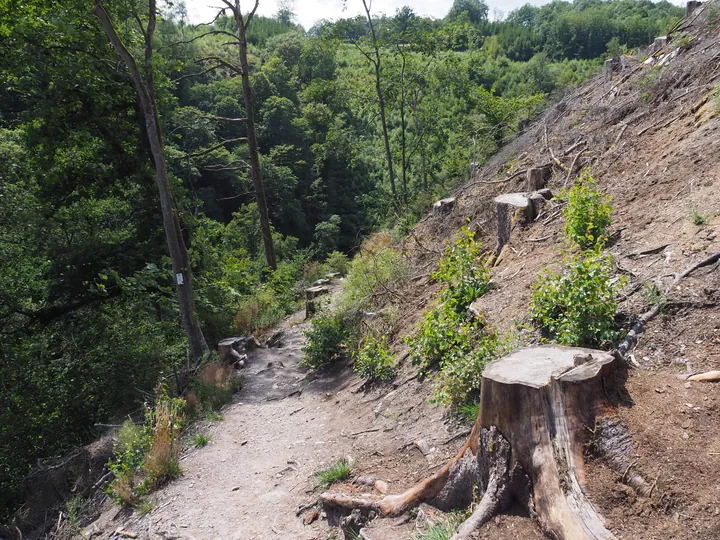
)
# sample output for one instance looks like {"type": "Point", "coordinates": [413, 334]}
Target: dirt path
{"type": "Point", "coordinates": [285, 424]}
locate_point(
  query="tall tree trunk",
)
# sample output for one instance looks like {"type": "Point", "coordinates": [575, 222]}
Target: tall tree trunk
{"type": "Point", "coordinates": [381, 100]}
{"type": "Point", "coordinates": [403, 127]}
{"type": "Point", "coordinates": [176, 245]}
{"type": "Point", "coordinates": [242, 25]}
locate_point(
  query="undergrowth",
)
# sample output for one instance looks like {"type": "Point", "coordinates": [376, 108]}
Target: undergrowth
{"type": "Point", "coordinates": [577, 304]}
{"type": "Point", "coordinates": [587, 214]}
{"type": "Point", "coordinates": [147, 455]}
{"type": "Point", "coordinates": [449, 340]}
{"type": "Point", "coordinates": [336, 472]}
{"type": "Point", "coordinates": [443, 529]}
{"type": "Point", "coordinates": [374, 361]}
{"type": "Point", "coordinates": [373, 279]}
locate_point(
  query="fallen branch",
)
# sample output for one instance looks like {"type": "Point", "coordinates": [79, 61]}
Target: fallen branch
{"type": "Point", "coordinates": [708, 376]}
{"type": "Point", "coordinates": [666, 124]}
{"type": "Point", "coordinates": [572, 167]}
{"type": "Point", "coordinates": [625, 78]}
{"type": "Point", "coordinates": [637, 328]}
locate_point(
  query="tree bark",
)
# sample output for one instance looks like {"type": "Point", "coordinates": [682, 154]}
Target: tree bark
{"type": "Point", "coordinates": [381, 100]}
{"type": "Point", "coordinates": [242, 24]}
{"type": "Point", "coordinates": [176, 245]}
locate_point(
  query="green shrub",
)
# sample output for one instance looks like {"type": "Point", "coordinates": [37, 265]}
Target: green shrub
{"type": "Point", "coordinates": [443, 335]}
{"type": "Point", "coordinates": [337, 262]}
{"type": "Point", "coordinates": [129, 451]}
{"type": "Point", "coordinates": [330, 336]}
{"type": "Point", "coordinates": [697, 218]}
{"type": "Point", "coordinates": [587, 214]}
{"type": "Point", "coordinates": [577, 305]}
{"type": "Point", "coordinates": [460, 269]}
{"type": "Point", "coordinates": [337, 472]}
{"type": "Point", "coordinates": [374, 275]}
{"type": "Point", "coordinates": [458, 381]}
{"type": "Point", "coordinates": [145, 456]}
{"type": "Point", "coordinates": [468, 412]}
{"type": "Point", "coordinates": [374, 361]}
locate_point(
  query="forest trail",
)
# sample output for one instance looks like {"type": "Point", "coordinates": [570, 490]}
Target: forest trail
{"type": "Point", "coordinates": [284, 424]}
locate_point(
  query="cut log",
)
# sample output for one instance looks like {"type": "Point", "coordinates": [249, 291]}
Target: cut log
{"type": "Point", "coordinates": [514, 208]}
{"type": "Point", "coordinates": [537, 406]}
{"type": "Point", "coordinates": [311, 296]}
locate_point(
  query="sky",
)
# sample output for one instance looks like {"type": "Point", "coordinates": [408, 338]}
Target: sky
{"type": "Point", "coordinates": [310, 11]}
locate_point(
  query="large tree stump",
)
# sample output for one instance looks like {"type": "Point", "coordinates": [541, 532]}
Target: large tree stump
{"type": "Point", "coordinates": [537, 407]}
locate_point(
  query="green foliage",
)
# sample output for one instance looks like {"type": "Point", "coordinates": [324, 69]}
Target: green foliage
{"type": "Point", "coordinates": [587, 214]}
{"type": "Point", "coordinates": [448, 339]}
{"type": "Point", "coordinates": [468, 412]}
{"type": "Point", "coordinates": [459, 379]}
{"type": "Point", "coordinates": [76, 511]}
{"type": "Point", "coordinates": [133, 443]}
{"type": "Point", "coordinates": [330, 336]}
{"type": "Point", "coordinates": [460, 269]}
{"type": "Point", "coordinates": [373, 274]}
{"type": "Point", "coordinates": [443, 336]}
{"type": "Point", "coordinates": [214, 416]}
{"type": "Point", "coordinates": [336, 472]}
{"type": "Point", "coordinates": [374, 361]}
{"type": "Point", "coordinates": [337, 262]}
{"type": "Point", "coordinates": [444, 529]}
{"type": "Point", "coordinates": [697, 218]}
{"type": "Point", "coordinates": [147, 455]}
{"type": "Point", "coordinates": [201, 439]}
{"type": "Point", "coordinates": [577, 305]}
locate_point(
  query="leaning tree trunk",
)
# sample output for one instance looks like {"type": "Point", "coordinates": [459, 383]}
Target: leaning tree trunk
{"type": "Point", "coordinates": [252, 139]}
{"type": "Point", "coordinates": [527, 445]}
{"type": "Point", "coordinates": [175, 242]}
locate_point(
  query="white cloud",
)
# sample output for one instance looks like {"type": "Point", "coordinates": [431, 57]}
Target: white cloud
{"type": "Point", "coordinates": [308, 12]}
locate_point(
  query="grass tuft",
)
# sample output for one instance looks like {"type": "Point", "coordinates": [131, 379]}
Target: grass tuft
{"type": "Point", "coordinates": [468, 411]}
{"type": "Point", "coordinates": [214, 416]}
{"type": "Point", "coordinates": [337, 472]}
{"type": "Point", "coordinates": [442, 530]}
{"type": "Point", "coordinates": [201, 439]}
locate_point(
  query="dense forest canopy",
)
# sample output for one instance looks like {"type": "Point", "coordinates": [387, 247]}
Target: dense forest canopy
{"type": "Point", "coordinates": [89, 320]}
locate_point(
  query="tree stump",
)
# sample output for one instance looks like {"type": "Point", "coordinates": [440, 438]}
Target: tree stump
{"type": "Point", "coordinates": [231, 350]}
{"type": "Point", "coordinates": [513, 208]}
{"type": "Point", "coordinates": [536, 406]}
{"type": "Point", "coordinates": [443, 206]}
{"type": "Point", "coordinates": [311, 295]}
{"type": "Point", "coordinates": [690, 7]}
{"type": "Point", "coordinates": [537, 178]}
{"type": "Point", "coordinates": [612, 65]}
